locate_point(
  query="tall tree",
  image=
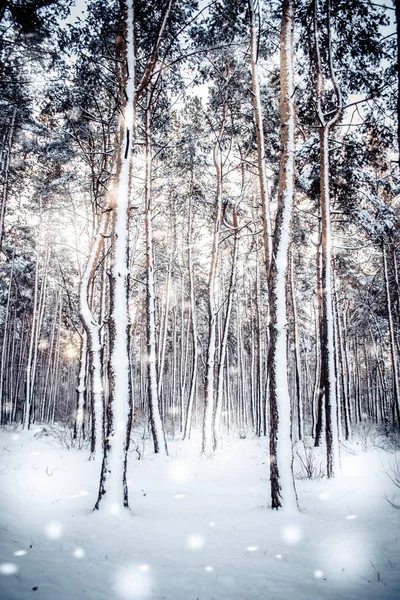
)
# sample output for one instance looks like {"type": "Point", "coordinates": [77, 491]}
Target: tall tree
{"type": "Point", "coordinates": [113, 489]}
{"type": "Point", "coordinates": [283, 492]}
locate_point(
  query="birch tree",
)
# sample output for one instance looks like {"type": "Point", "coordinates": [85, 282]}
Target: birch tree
{"type": "Point", "coordinates": [283, 492]}
{"type": "Point", "coordinates": [113, 489]}
{"type": "Point", "coordinates": [327, 121]}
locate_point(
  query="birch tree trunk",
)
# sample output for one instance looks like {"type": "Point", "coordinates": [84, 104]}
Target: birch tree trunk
{"type": "Point", "coordinates": [222, 357]}
{"type": "Point", "coordinates": [94, 343]}
{"type": "Point", "coordinates": [258, 116]}
{"type": "Point", "coordinates": [81, 391]}
{"type": "Point", "coordinates": [328, 374]}
{"type": "Point", "coordinates": [159, 441]}
{"type": "Point", "coordinates": [193, 319]}
{"type": "Point", "coordinates": [283, 493]}
{"type": "Point", "coordinates": [34, 325]}
{"type": "Point", "coordinates": [297, 358]}
{"type": "Point", "coordinates": [7, 327]}
{"type": "Point", "coordinates": [113, 489]}
{"type": "Point", "coordinates": [393, 354]}
{"type": "Point", "coordinates": [207, 437]}
{"type": "Point", "coordinates": [5, 172]}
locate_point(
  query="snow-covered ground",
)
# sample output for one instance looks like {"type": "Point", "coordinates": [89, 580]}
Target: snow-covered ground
{"type": "Point", "coordinates": [198, 529]}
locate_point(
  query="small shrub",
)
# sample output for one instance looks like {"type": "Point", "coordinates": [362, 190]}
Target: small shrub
{"type": "Point", "coordinates": [308, 464]}
{"type": "Point", "coordinates": [389, 438]}
{"type": "Point", "coordinates": [393, 472]}
{"type": "Point", "coordinates": [63, 434]}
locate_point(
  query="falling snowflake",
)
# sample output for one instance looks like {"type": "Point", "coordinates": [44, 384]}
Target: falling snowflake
{"type": "Point", "coordinates": [144, 568]}
{"type": "Point", "coordinates": [195, 542]}
{"type": "Point", "coordinates": [318, 574]}
{"type": "Point", "coordinates": [8, 569]}
{"type": "Point", "coordinates": [324, 496]}
{"type": "Point", "coordinates": [211, 524]}
{"type": "Point", "coordinates": [179, 496]}
{"type": "Point", "coordinates": [291, 534]}
{"type": "Point", "coordinates": [251, 548]}
{"type": "Point", "coordinates": [53, 530]}
{"type": "Point", "coordinates": [278, 556]}
{"type": "Point", "coordinates": [209, 569]}
{"type": "Point", "coordinates": [180, 471]}
{"type": "Point", "coordinates": [347, 551]}
{"type": "Point", "coordinates": [131, 584]}
{"type": "Point", "coordinates": [79, 553]}
{"type": "Point", "coordinates": [114, 508]}
{"type": "Point", "coordinates": [351, 517]}
{"type": "Point", "coordinates": [20, 553]}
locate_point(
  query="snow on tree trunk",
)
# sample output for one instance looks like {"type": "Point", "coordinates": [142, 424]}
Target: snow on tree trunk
{"type": "Point", "coordinates": [328, 375]}
{"type": "Point", "coordinates": [222, 357]}
{"type": "Point", "coordinates": [113, 490]}
{"type": "Point", "coordinates": [164, 329]}
{"type": "Point", "coordinates": [5, 343]}
{"type": "Point", "coordinates": [93, 331]}
{"type": "Point", "coordinates": [79, 430]}
{"type": "Point", "coordinates": [393, 353]}
{"type": "Point", "coordinates": [5, 173]}
{"type": "Point", "coordinates": [283, 493]}
{"type": "Point", "coordinates": [297, 357]}
{"type": "Point", "coordinates": [159, 441]}
{"type": "Point", "coordinates": [34, 325]}
{"type": "Point", "coordinates": [193, 318]}
{"type": "Point", "coordinates": [258, 116]}
{"type": "Point", "coordinates": [207, 437]}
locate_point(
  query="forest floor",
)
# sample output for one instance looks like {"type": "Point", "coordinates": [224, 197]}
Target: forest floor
{"type": "Point", "coordinates": [198, 529]}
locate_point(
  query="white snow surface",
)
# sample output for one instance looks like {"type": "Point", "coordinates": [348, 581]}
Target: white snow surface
{"type": "Point", "coordinates": [207, 535]}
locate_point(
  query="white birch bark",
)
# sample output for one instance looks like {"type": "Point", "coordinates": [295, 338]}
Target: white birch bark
{"type": "Point", "coordinates": [93, 332]}
{"type": "Point", "coordinates": [223, 349]}
{"type": "Point", "coordinates": [296, 341]}
{"type": "Point", "coordinates": [283, 493]}
{"type": "Point", "coordinates": [113, 491]}
{"type": "Point", "coordinates": [81, 389]}
{"type": "Point", "coordinates": [328, 374]}
{"type": "Point", "coordinates": [393, 354]}
{"type": "Point", "coordinates": [28, 390]}
{"type": "Point", "coordinates": [159, 441]}
{"type": "Point", "coordinates": [258, 115]}
{"type": "Point", "coordinates": [207, 437]}
{"type": "Point", "coordinates": [193, 318]}
{"type": "Point", "coordinates": [5, 168]}
{"type": "Point", "coordinates": [5, 341]}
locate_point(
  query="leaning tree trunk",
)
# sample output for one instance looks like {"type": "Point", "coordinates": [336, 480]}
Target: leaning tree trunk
{"type": "Point", "coordinates": [283, 493]}
{"type": "Point", "coordinates": [94, 343]}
